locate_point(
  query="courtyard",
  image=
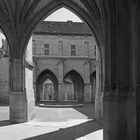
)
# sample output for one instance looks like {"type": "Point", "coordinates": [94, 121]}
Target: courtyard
{"type": "Point", "coordinates": [53, 123]}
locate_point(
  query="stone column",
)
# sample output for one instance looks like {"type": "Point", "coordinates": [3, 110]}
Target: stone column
{"type": "Point", "coordinates": [87, 85]}
{"type": "Point", "coordinates": [61, 86]}
{"type": "Point", "coordinates": [136, 62]}
{"type": "Point", "coordinates": [61, 92]}
{"type": "Point", "coordinates": [99, 94]}
{"type": "Point", "coordinates": [119, 99]}
{"type": "Point", "coordinates": [87, 92]}
{"type": "Point", "coordinates": [21, 102]}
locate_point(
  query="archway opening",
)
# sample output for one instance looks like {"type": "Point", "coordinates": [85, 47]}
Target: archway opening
{"type": "Point", "coordinates": [74, 85]}
{"type": "Point", "coordinates": [60, 15]}
{"type": "Point", "coordinates": [66, 45]}
{"type": "Point", "coordinates": [68, 41]}
{"type": "Point", "coordinates": [48, 90]}
{"type": "Point", "coordinates": [47, 86]}
{"type": "Point", "coordinates": [69, 49]}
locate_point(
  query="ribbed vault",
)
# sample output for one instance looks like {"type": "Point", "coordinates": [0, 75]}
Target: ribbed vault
{"type": "Point", "coordinates": [18, 18]}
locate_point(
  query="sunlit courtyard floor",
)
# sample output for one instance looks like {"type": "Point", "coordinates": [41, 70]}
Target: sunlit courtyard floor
{"type": "Point", "coordinates": [50, 123]}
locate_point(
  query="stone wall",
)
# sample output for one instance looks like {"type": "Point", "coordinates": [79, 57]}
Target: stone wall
{"type": "Point", "coordinates": [60, 61]}
{"type": "Point", "coordinates": [82, 47]}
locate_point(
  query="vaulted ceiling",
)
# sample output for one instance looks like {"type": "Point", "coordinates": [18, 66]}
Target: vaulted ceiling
{"type": "Point", "coordinates": [18, 18]}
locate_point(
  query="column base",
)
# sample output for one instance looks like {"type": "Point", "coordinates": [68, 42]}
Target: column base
{"type": "Point", "coordinates": [21, 108]}
{"type": "Point", "coordinates": [119, 118]}
{"type": "Point", "coordinates": [61, 92]}
{"type": "Point", "coordinates": [99, 106]}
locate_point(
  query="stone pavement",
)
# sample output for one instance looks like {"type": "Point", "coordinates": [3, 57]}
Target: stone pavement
{"type": "Point", "coordinates": [53, 124]}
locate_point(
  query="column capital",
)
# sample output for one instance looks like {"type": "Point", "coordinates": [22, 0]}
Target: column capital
{"type": "Point", "coordinates": [87, 83]}
{"type": "Point", "coordinates": [60, 61]}
{"type": "Point", "coordinates": [119, 94]}
{"type": "Point", "coordinates": [29, 65]}
{"type": "Point", "coordinates": [86, 61]}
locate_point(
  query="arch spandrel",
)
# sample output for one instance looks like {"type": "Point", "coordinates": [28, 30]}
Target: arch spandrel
{"type": "Point", "coordinates": [75, 71]}
{"type": "Point", "coordinates": [47, 69]}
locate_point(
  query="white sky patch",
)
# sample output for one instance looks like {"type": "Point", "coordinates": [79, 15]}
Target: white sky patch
{"type": "Point", "coordinates": [63, 14]}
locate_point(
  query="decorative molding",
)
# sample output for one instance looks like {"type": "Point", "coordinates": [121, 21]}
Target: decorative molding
{"type": "Point", "coordinates": [29, 65]}
{"type": "Point", "coordinates": [35, 57]}
{"type": "Point", "coordinates": [60, 61]}
{"type": "Point", "coordinates": [86, 61]}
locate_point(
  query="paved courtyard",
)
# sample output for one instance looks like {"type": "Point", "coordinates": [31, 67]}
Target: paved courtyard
{"type": "Point", "coordinates": [53, 123]}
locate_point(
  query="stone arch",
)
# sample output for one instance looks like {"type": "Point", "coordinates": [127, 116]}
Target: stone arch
{"type": "Point", "coordinates": [78, 84]}
{"type": "Point", "coordinates": [96, 27]}
{"type": "Point", "coordinates": [31, 13]}
{"type": "Point", "coordinates": [117, 81]}
{"type": "Point", "coordinates": [84, 14]}
{"type": "Point", "coordinates": [81, 12]}
{"type": "Point", "coordinates": [92, 17]}
{"type": "Point", "coordinates": [44, 69]}
{"type": "Point", "coordinates": [43, 76]}
{"type": "Point", "coordinates": [76, 70]}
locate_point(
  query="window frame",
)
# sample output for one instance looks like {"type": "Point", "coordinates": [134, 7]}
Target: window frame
{"type": "Point", "coordinates": [46, 49]}
{"type": "Point", "coordinates": [73, 50]}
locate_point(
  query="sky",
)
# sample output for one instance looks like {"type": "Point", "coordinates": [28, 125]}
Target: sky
{"type": "Point", "coordinates": [63, 14]}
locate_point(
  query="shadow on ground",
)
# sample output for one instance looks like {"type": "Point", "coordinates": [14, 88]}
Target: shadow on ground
{"type": "Point", "coordinates": [71, 133]}
{"type": "Point", "coordinates": [5, 123]}
{"type": "Point", "coordinates": [88, 110]}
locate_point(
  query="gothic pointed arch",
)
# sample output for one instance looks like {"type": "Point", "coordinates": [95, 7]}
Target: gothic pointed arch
{"type": "Point", "coordinates": [78, 84]}
{"type": "Point", "coordinates": [76, 8]}
{"type": "Point", "coordinates": [75, 71]}
{"type": "Point", "coordinates": [43, 76]}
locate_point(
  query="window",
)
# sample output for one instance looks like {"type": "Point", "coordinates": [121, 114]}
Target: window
{"type": "Point", "coordinates": [60, 48]}
{"type": "Point", "coordinates": [73, 50]}
{"type": "Point", "coordinates": [46, 49]}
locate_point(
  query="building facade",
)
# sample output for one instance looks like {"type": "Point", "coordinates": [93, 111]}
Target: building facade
{"type": "Point", "coordinates": [64, 57]}
{"type": "Point", "coordinates": [65, 53]}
